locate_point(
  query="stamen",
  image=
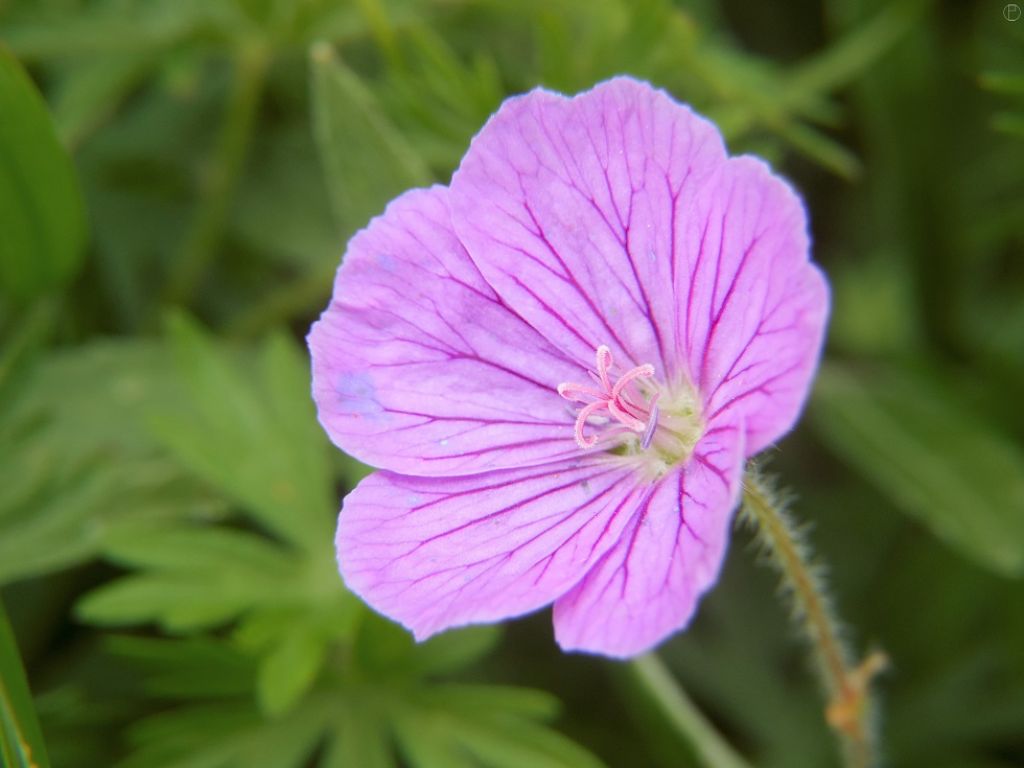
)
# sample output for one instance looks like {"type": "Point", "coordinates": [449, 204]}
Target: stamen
{"type": "Point", "coordinates": [631, 416]}
{"type": "Point", "coordinates": [577, 392]}
{"type": "Point", "coordinates": [585, 413]}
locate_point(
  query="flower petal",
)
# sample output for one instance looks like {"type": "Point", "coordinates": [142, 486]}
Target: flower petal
{"type": "Point", "coordinates": [755, 308]}
{"type": "Point", "coordinates": [417, 365]}
{"type": "Point", "coordinates": [616, 218]}
{"type": "Point", "coordinates": [569, 207]}
{"type": "Point", "coordinates": [647, 586]}
{"type": "Point", "coordinates": [435, 553]}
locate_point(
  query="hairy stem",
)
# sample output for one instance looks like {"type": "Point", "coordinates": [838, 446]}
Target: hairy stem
{"type": "Point", "coordinates": [850, 711]}
{"type": "Point", "coordinates": [204, 234]}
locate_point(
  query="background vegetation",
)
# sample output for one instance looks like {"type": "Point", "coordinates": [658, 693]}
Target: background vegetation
{"type": "Point", "coordinates": [177, 181]}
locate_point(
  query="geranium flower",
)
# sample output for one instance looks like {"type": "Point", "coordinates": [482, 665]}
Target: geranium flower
{"type": "Point", "coordinates": [559, 364]}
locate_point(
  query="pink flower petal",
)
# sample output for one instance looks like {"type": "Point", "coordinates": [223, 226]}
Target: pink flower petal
{"type": "Point", "coordinates": [435, 553]}
{"type": "Point", "coordinates": [419, 368]}
{"type": "Point", "coordinates": [570, 208]}
{"type": "Point", "coordinates": [754, 306]}
{"type": "Point", "coordinates": [648, 585]}
{"type": "Point", "coordinates": [616, 218]}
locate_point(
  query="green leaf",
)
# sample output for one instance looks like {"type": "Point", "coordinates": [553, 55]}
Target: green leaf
{"type": "Point", "coordinates": [922, 445]}
{"type": "Point", "coordinates": [20, 350]}
{"type": "Point", "coordinates": [92, 91]}
{"type": "Point", "coordinates": [50, 35]}
{"type": "Point", "coordinates": [193, 577]}
{"type": "Point", "coordinates": [42, 218]}
{"type": "Point", "coordinates": [453, 726]}
{"type": "Point", "coordinates": [386, 650]}
{"type": "Point", "coordinates": [229, 734]}
{"type": "Point", "coordinates": [252, 433]}
{"type": "Point", "coordinates": [75, 468]}
{"type": "Point", "coordinates": [21, 740]}
{"type": "Point", "coordinates": [186, 669]}
{"type": "Point", "coordinates": [361, 740]}
{"type": "Point", "coordinates": [288, 671]}
{"type": "Point", "coordinates": [366, 160]}
{"type": "Point", "coordinates": [178, 603]}
{"type": "Point", "coordinates": [854, 53]}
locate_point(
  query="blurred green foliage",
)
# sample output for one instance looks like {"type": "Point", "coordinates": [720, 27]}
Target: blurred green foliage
{"type": "Point", "coordinates": [175, 192]}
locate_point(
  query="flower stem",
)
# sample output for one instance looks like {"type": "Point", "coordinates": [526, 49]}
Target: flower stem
{"type": "Point", "coordinates": [850, 711]}
{"type": "Point", "coordinates": [707, 747]}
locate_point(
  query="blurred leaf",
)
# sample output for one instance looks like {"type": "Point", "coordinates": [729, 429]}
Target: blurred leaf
{"type": "Point", "coordinates": [360, 739]}
{"type": "Point", "coordinates": [289, 670]}
{"type": "Point", "coordinates": [229, 734]}
{"type": "Point", "coordinates": [192, 577]}
{"type": "Point", "coordinates": [42, 220]}
{"type": "Point", "coordinates": [75, 467]}
{"type": "Point", "coordinates": [387, 650]}
{"type": "Point", "coordinates": [20, 349]}
{"type": "Point", "coordinates": [921, 445]}
{"type": "Point", "coordinates": [92, 91]}
{"type": "Point", "coordinates": [857, 50]}
{"type": "Point", "coordinates": [184, 669]}
{"type": "Point", "coordinates": [1003, 82]}
{"type": "Point", "coordinates": [283, 209]}
{"type": "Point", "coordinates": [820, 148]}
{"type": "Point", "coordinates": [453, 726]}
{"type": "Point", "coordinates": [252, 433]}
{"type": "Point", "coordinates": [366, 160]}
{"type": "Point", "coordinates": [82, 35]}
{"type": "Point", "coordinates": [439, 100]}
{"type": "Point", "coordinates": [21, 740]}
{"type": "Point", "coordinates": [874, 306]}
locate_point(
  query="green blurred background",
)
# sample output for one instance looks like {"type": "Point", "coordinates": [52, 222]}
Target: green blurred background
{"type": "Point", "coordinates": [177, 182]}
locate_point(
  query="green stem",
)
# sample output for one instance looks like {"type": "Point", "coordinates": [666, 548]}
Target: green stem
{"type": "Point", "coordinates": [707, 747]}
{"type": "Point", "coordinates": [846, 686]}
{"type": "Point", "coordinates": [283, 305]}
{"type": "Point", "coordinates": [204, 234]}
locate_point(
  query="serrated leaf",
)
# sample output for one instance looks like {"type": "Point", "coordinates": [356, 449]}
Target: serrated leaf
{"type": "Point", "coordinates": [21, 740]}
{"type": "Point", "coordinates": [42, 219]}
{"type": "Point", "coordinates": [225, 735]}
{"type": "Point", "coordinates": [366, 160]}
{"type": "Point", "coordinates": [177, 602]}
{"type": "Point", "coordinates": [265, 454]}
{"type": "Point", "coordinates": [74, 466]}
{"type": "Point", "coordinates": [454, 726]}
{"type": "Point", "coordinates": [923, 446]}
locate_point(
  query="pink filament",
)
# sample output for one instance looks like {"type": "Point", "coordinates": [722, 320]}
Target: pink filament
{"type": "Point", "coordinates": [610, 397]}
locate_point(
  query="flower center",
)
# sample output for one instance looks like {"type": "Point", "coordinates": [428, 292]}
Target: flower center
{"type": "Point", "coordinates": [636, 414]}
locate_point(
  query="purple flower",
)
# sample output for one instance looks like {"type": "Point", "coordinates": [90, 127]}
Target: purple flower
{"type": "Point", "coordinates": [559, 363]}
